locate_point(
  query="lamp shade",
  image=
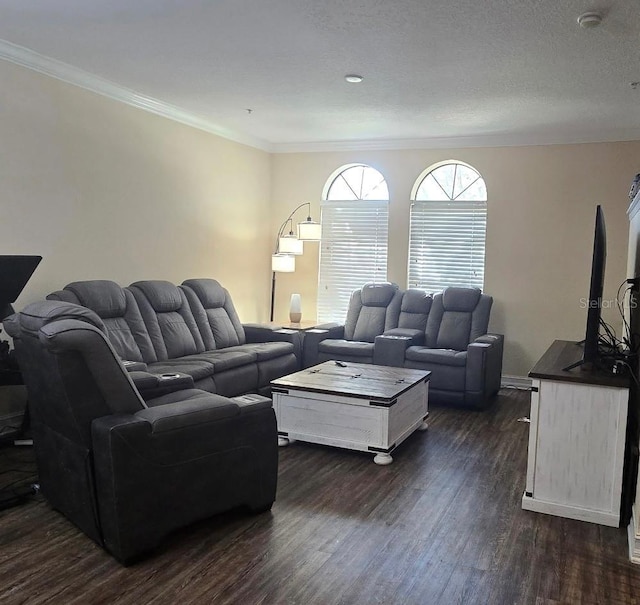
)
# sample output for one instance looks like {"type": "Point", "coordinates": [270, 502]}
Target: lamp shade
{"type": "Point", "coordinates": [283, 263]}
{"type": "Point", "coordinates": [309, 231]}
{"type": "Point", "coordinates": [290, 244]}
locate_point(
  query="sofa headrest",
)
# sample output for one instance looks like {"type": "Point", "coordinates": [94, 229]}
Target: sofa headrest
{"type": "Point", "coordinates": [460, 299]}
{"type": "Point", "coordinates": [104, 297]}
{"type": "Point", "coordinates": [211, 294]}
{"type": "Point", "coordinates": [378, 294]}
{"type": "Point", "coordinates": [41, 313]}
{"type": "Point", "coordinates": [163, 296]}
{"type": "Point", "coordinates": [416, 301]}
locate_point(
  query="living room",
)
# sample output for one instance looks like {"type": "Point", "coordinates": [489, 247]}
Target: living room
{"type": "Point", "coordinates": [103, 189]}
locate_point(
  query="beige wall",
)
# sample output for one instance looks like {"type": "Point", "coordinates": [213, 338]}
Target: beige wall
{"type": "Point", "coordinates": [541, 211]}
{"type": "Point", "coordinates": [104, 190]}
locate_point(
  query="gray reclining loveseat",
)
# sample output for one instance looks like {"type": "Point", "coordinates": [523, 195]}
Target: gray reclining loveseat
{"type": "Point", "coordinates": [445, 334]}
{"type": "Point", "coordinates": [172, 337]}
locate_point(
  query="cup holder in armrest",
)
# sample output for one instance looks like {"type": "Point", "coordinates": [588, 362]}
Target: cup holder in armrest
{"type": "Point", "coordinates": [173, 376]}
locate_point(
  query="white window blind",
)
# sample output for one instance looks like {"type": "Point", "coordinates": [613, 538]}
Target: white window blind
{"type": "Point", "coordinates": [446, 244]}
{"type": "Point", "coordinates": [353, 251]}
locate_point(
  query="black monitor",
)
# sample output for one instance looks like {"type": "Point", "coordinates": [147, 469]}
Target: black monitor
{"type": "Point", "coordinates": [591, 355]}
{"type": "Point", "coordinates": [15, 271]}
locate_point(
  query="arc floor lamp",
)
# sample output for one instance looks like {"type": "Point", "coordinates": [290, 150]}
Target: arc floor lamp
{"type": "Point", "coordinates": [288, 246]}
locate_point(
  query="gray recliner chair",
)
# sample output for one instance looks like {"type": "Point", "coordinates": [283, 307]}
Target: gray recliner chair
{"type": "Point", "coordinates": [126, 471]}
{"type": "Point", "coordinates": [372, 310]}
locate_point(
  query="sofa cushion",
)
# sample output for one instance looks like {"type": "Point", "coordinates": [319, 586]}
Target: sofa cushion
{"type": "Point", "coordinates": [378, 294]}
{"type": "Point", "coordinates": [372, 309]}
{"type": "Point", "coordinates": [166, 313]}
{"type": "Point", "coordinates": [446, 357]}
{"type": "Point", "coordinates": [214, 313]}
{"type": "Point", "coordinates": [339, 347]}
{"type": "Point", "coordinates": [104, 297]}
{"type": "Point", "coordinates": [198, 369]}
{"type": "Point", "coordinates": [119, 311]}
{"type": "Point", "coordinates": [227, 359]}
{"type": "Point", "coordinates": [414, 309]}
{"type": "Point", "coordinates": [457, 317]}
{"type": "Point", "coordinates": [266, 350]}
{"type": "Point", "coordinates": [460, 299]}
{"type": "Point", "coordinates": [455, 327]}
{"type": "Point", "coordinates": [163, 296]}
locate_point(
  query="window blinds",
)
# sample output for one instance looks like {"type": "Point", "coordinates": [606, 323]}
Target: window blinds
{"type": "Point", "coordinates": [353, 251]}
{"type": "Point", "coordinates": [446, 244]}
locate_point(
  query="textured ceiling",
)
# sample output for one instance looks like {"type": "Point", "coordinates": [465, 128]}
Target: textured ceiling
{"type": "Point", "coordinates": [513, 71]}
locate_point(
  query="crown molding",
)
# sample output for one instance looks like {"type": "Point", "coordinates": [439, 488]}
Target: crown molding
{"type": "Point", "coordinates": [78, 77]}
{"type": "Point", "coordinates": [506, 140]}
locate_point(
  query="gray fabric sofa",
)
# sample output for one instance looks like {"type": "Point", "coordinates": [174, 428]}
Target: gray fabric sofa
{"type": "Point", "coordinates": [445, 334]}
{"type": "Point", "coordinates": [186, 336]}
{"type": "Point", "coordinates": [128, 471]}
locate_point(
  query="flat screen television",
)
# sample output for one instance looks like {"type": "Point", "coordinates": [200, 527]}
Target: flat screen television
{"type": "Point", "coordinates": [591, 355]}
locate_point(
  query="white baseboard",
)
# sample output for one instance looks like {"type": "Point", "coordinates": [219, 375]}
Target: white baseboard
{"type": "Point", "coordinates": [633, 538]}
{"type": "Point", "coordinates": [516, 382]}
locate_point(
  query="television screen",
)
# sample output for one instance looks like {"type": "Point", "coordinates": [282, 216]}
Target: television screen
{"type": "Point", "coordinates": [591, 353]}
{"type": "Point", "coordinates": [595, 290]}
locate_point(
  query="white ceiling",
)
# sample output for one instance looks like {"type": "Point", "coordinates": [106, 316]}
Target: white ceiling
{"type": "Point", "coordinates": [475, 71]}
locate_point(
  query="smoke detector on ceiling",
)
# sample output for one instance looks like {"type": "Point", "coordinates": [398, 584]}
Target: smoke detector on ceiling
{"type": "Point", "coordinates": [590, 20]}
{"type": "Point", "coordinates": [353, 78]}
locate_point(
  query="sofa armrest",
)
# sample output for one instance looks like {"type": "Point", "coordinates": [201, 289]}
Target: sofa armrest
{"type": "Point", "coordinates": [389, 349]}
{"type": "Point", "coordinates": [134, 366]}
{"type": "Point", "coordinates": [154, 385]}
{"type": "Point", "coordinates": [417, 337]}
{"type": "Point", "coordinates": [263, 333]}
{"type": "Point", "coordinates": [312, 338]}
{"type": "Point", "coordinates": [484, 367]}
{"type": "Point", "coordinates": [196, 454]}
{"type": "Point", "coordinates": [331, 326]}
{"type": "Point", "coordinates": [184, 414]}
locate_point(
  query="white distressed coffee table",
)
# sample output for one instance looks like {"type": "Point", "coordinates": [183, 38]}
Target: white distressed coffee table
{"type": "Point", "coordinates": [355, 406]}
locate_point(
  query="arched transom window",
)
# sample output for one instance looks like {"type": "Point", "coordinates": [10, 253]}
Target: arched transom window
{"type": "Point", "coordinates": [448, 228]}
{"type": "Point", "coordinates": [353, 250]}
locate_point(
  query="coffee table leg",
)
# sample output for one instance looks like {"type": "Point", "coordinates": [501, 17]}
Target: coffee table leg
{"type": "Point", "coordinates": [282, 441]}
{"type": "Point", "coordinates": [382, 459]}
{"type": "Point", "coordinates": [424, 426]}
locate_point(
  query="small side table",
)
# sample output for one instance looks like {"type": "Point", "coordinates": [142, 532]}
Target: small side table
{"type": "Point", "coordinates": [303, 326]}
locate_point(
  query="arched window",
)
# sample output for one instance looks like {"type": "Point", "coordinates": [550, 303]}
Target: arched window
{"type": "Point", "coordinates": [448, 228]}
{"type": "Point", "coordinates": [353, 250]}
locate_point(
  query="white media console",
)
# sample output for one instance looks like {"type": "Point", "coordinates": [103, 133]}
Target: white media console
{"type": "Point", "coordinates": [576, 439]}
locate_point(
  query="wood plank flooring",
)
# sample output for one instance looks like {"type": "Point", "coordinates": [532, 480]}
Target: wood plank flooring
{"type": "Point", "coordinates": [442, 524]}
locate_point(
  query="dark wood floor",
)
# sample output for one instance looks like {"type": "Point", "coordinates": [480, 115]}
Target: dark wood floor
{"type": "Point", "coordinates": [442, 524]}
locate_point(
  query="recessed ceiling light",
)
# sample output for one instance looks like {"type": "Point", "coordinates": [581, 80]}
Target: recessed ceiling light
{"type": "Point", "coordinates": [353, 78]}
{"type": "Point", "coordinates": [590, 20]}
